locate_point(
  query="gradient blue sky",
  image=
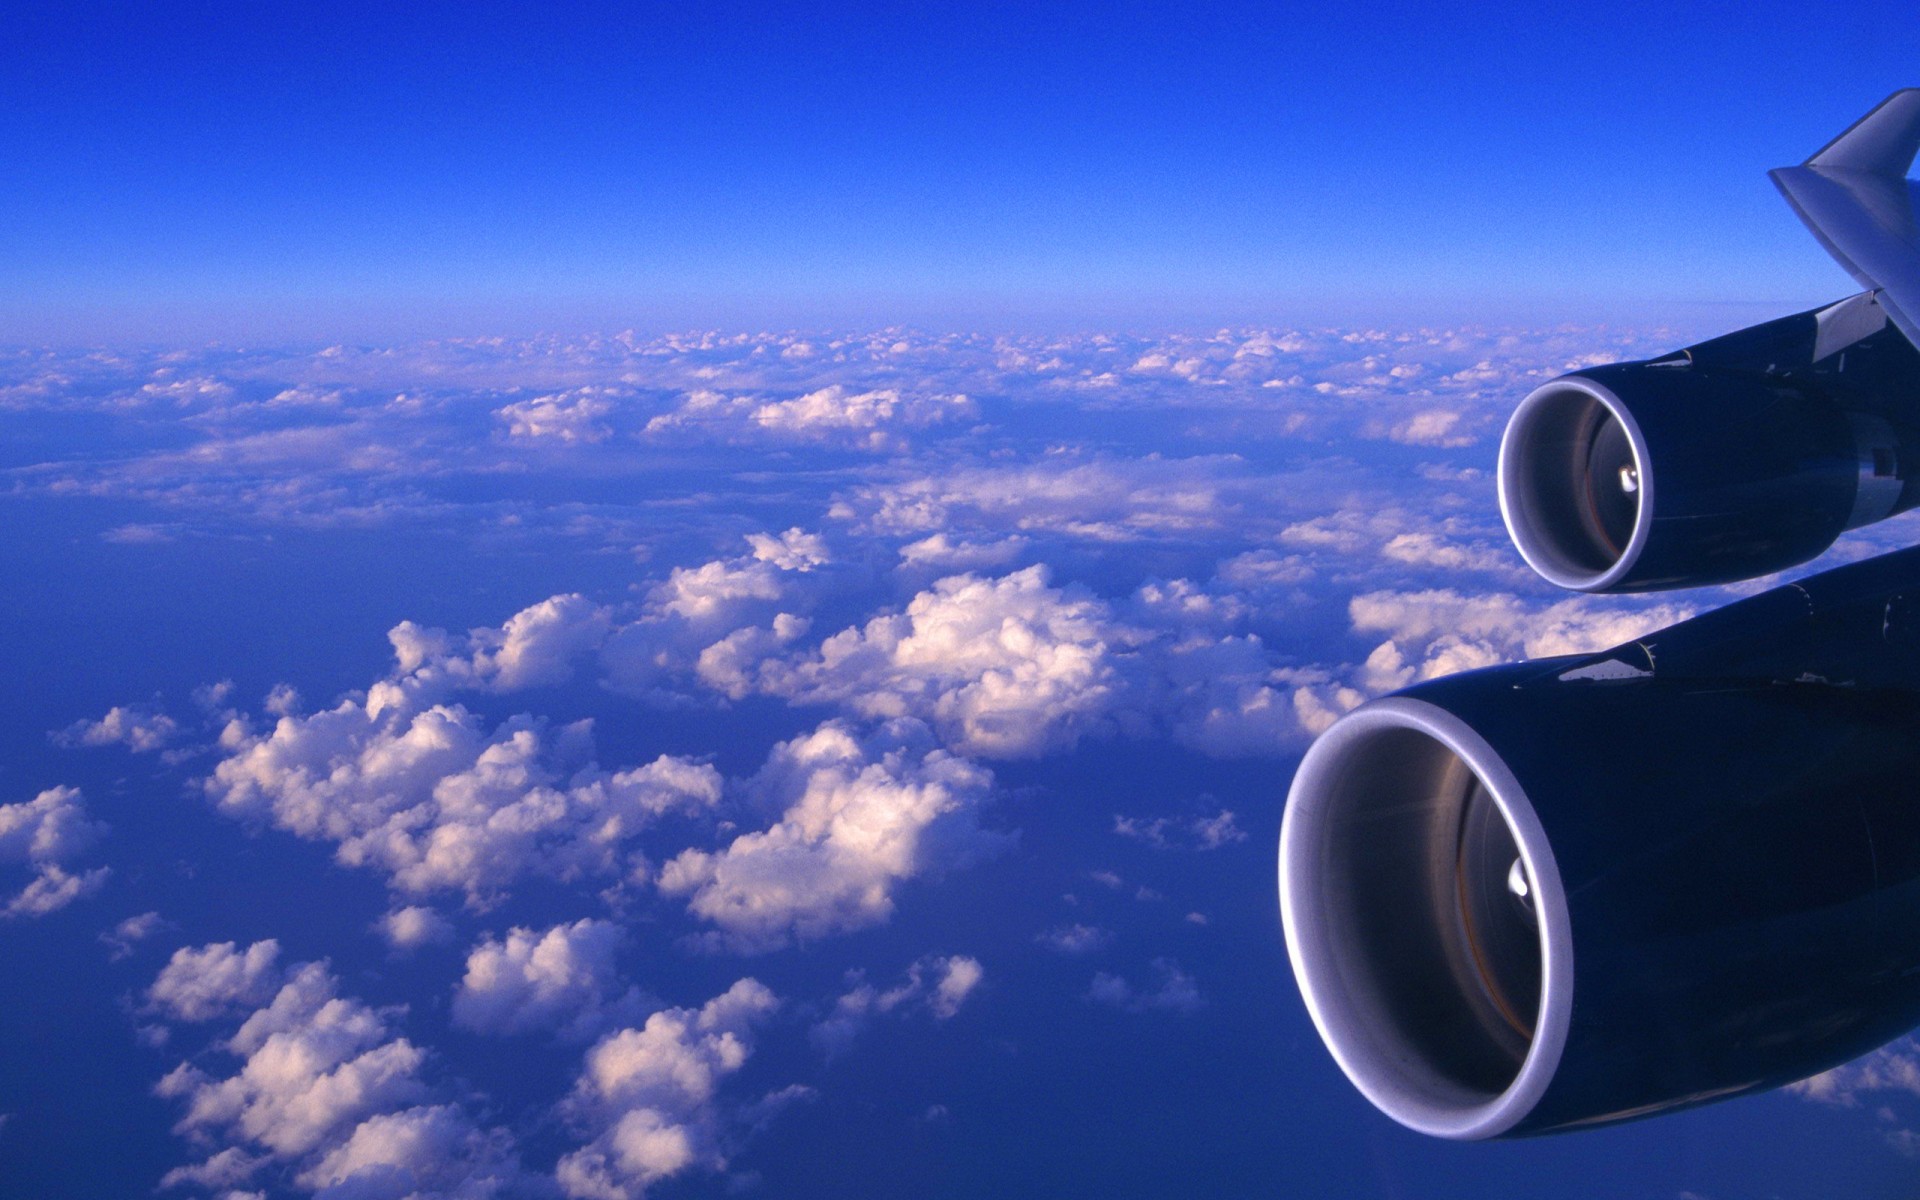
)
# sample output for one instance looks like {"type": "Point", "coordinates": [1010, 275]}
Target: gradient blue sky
{"type": "Point", "coordinates": [243, 171]}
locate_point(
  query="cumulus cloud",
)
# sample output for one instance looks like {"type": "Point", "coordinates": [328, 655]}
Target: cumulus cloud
{"type": "Point", "coordinates": [1431, 550]}
{"type": "Point", "coordinates": [46, 834]}
{"type": "Point", "coordinates": [215, 980]}
{"type": "Point", "coordinates": [537, 646]}
{"type": "Point", "coordinates": [1428, 427]}
{"type": "Point", "coordinates": [1005, 668]}
{"type": "Point", "coordinates": [861, 816]}
{"type": "Point", "coordinates": [715, 590]}
{"type": "Point", "coordinates": [562, 979]}
{"type": "Point", "coordinates": [323, 1085]}
{"type": "Point", "coordinates": [1439, 631]}
{"type": "Point", "coordinates": [648, 1098]}
{"type": "Point", "coordinates": [1173, 991]}
{"type": "Point", "coordinates": [412, 926]}
{"type": "Point", "coordinates": [141, 730]}
{"type": "Point", "coordinates": [939, 552]}
{"type": "Point", "coordinates": [935, 985]}
{"type": "Point", "coordinates": [436, 801]}
{"type": "Point", "coordinates": [1121, 500]}
{"type": "Point", "coordinates": [569, 418]}
{"type": "Point", "coordinates": [873, 420]}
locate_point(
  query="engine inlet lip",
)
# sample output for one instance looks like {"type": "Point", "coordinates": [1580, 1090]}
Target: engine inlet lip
{"type": "Point", "coordinates": [1374, 1060]}
{"type": "Point", "coordinates": [1524, 527]}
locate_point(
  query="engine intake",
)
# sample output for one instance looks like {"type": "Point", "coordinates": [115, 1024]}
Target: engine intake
{"type": "Point", "coordinates": [1640, 476]}
{"type": "Point", "coordinates": [1426, 921]}
{"type": "Point", "coordinates": [1572, 892]}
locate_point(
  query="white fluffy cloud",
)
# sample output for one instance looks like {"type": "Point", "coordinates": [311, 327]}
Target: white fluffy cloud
{"type": "Point", "coordinates": [860, 817]}
{"type": "Point", "coordinates": [539, 645]}
{"type": "Point", "coordinates": [141, 730]}
{"type": "Point", "coordinates": [1429, 427]}
{"type": "Point", "coordinates": [46, 834]}
{"type": "Point", "coordinates": [412, 926]}
{"type": "Point", "coordinates": [648, 1097]}
{"type": "Point", "coordinates": [569, 418]}
{"type": "Point", "coordinates": [1005, 668]}
{"type": "Point", "coordinates": [323, 1085]}
{"type": "Point", "coordinates": [562, 979]}
{"type": "Point", "coordinates": [438, 802]}
{"type": "Point", "coordinates": [1121, 500]}
{"type": "Point", "coordinates": [1439, 631]}
{"type": "Point", "coordinates": [874, 420]}
{"type": "Point", "coordinates": [216, 980]}
{"type": "Point", "coordinates": [935, 985]}
{"type": "Point", "coordinates": [940, 552]}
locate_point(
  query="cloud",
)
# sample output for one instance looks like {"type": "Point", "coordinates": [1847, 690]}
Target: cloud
{"type": "Point", "coordinates": [1004, 668]}
{"type": "Point", "coordinates": [1439, 631]}
{"type": "Point", "coordinates": [560, 980]}
{"type": "Point", "coordinates": [141, 730]}
{"type": "Point", "coordinates": [438, 802]}
{"type": "Point", "coordinates": [46, 833]}
{"type": "Point", "coordinates": [1176, 991]}
{"type": "Point", "coordinates": [1894, 1067]}
{"type": "Point", "coordinates": [216, 980]}
{"type": "Point", "coordinates": [53, 888]}
{"type": "Point", "coordinates": [648, 1097]}
{"type": "Point", "coordinates": [1431, 550]}
{"type": "Point", "coordinates": [1183, 833]}
{"type": "Point", "coordinates": [1101, 500]}
{"type": "Point", "coordinates": [874, 420]}
{"type": "Point", "coordinates": [713, 590]}
{"type": "Point", "coordinates": [412, 926]}
{"type": "Point", "coordinates": [568, 418]}
{"type": "Point", "coordinates": [1075, 939]}
{"type": "Point", "coordinates": [1876, 1078]}
{"type": "Point", "coordinates": [425, 1151]}
{"type": "Point", "coordinates": [1428, 427]}
{"type": "Point", "coordinates": [935, 985]}
{"type": "Point", "coordinates": [939, 552]}
{"type": "Point", "coordinates": [122, 938]}
{"type": "Point", "coordinates": [860, 817]}
{"type": "Point", "coordinates": [537, 646]}
{"type": "Point", "coordinates": [323, 1085]}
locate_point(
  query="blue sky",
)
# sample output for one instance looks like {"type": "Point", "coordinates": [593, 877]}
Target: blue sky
{"type": "Point", "coordinates": [244, 171]}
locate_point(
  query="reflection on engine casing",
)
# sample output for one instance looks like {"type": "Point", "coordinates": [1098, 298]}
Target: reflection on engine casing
{"type": "Point", "coordinates": [1731, 459]}
{"type": "Point", "coordinates": [1577, 891]}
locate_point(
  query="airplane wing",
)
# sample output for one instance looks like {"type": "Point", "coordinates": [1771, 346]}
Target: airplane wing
{"type": "Point", "coordinates": [1855, 197]}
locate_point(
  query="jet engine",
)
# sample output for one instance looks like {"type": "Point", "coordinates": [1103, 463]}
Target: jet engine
{"type": "Point", "coordinates": [1714, 464]}
{"type": "Point", "coordinates": [1573, 891]}
{"type": "Point", "coordinates": [1581, 890]}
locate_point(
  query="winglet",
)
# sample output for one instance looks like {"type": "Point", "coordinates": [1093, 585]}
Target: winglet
{"type": "Point", "coordinates": [1883, 142]}
{"type": "Point", "coordinates": [1855, 197]}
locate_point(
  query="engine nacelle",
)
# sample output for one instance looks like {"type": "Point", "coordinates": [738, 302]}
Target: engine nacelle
{"type": "Point", "coordinates": [1732, 459]}
{"type": "Point", "coordinates": [1577, 891]}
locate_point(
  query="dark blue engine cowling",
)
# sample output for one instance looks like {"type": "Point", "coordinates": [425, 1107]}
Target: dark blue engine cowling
{"type": "Point", "coordinates": [1589, 889]}
{"type": "Point", "coordinates": [1731, 459]}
